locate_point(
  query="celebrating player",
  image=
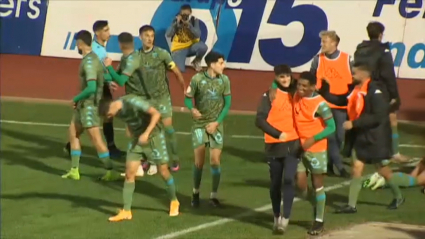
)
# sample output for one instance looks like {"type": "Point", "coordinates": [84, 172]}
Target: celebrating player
{"type": "Point", "coordinates": [314, 122]}
{"type": "Point", "coordinates": [127, 74]}
{"type": "Point", "coordinates": [86, 113]}
{"type": "Point", "coordinates": [101, 30]}
{"type": "Point", "coordinates": [148, 142]}
{"type": "Point", "coordinates": [275, 119]}
{"type": "Point", "coordinates": [155, 62]}
{"type": "Point", "coordinates": [210, 91]}
{"type": "Point", "coordinates": [368, 135]}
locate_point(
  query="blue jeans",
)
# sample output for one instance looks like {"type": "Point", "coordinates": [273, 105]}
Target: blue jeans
{"type": "Point", "coordinates": [336, 139]}
{"type": "Point", "coordinates": [179, 57]}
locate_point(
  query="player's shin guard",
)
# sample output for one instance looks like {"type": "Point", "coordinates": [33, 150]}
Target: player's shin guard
{"type": "Point", "coordinates": [320, 204]}
{"type": "Point", "coordinates": [353, 195]}
{"type": "Point", "coordinates": [404, 180]}
{"type": "Point", "coordinates": [75, 158]}
{"type": "Point", "coordinates": [106, 160]}
{"type": "Point", "coordinates": [108, 132]}
{"type": "Point", "coordinates": [197, 177]}
{"type": "Point", "coordinates": [127, 194]}
{"type": "Point", "coordinates": [395, 189]}
{"type": "Point", "coordinates": [170, 134]}
{"type": "Point", "coordinates": [395, 139]}
{"type": "Point", "coordinates": [216, 174]}
{"type": "Point", "coordinates": [171, 188]}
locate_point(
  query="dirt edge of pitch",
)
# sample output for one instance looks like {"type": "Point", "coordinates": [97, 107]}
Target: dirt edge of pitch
{"type": "Point", "coordinates": [175, 108]}
{"type": "Point", "coordinates": [378, 230]}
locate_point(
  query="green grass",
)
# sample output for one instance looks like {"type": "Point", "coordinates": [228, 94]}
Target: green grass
{"type": "Point", "coordinates": [37, 203]}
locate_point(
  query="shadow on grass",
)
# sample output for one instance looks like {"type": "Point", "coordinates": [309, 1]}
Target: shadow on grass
{"type": "Point", "coordinates": [249, 155]}
{"type": "Point", "coordinates": [414, 233]}
{"type": "Point", "coordinates": [24, 153]}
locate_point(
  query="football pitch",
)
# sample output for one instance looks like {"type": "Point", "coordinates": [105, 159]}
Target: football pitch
{"type": "Point", "coordinates": [36, 203]}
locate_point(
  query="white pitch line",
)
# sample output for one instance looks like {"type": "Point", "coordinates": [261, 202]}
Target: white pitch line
{"type": "Point", "coordinates": [179, 132]}
{"type": "Point", "coordinates": [227, 220]}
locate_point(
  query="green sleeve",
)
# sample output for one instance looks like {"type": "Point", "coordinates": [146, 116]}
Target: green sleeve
{"type": "Point", "coordinates": [120, 79]}
{"type": "Point", "coordinates": [87, 92]}
{"type": "Point", "coordinates": [138, 103]}
{"type": "Point", "coordinates": [227, 90]}
{"type": "Point", "coordinates": [274, 85]}
{"type": "Point", "coordinates": [131, 65]}
{"type": "Point", "coordinates": [326, 114]}
{"type": "Point", "coordinates": [90, 69]}
{"type": "Point", "coordinates": [226, 108]}
{"type": "Point", "coordinates": [188, 103]}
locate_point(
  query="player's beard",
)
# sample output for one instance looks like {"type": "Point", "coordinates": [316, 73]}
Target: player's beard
{"type": "Point", "coordinates": [80, 51]}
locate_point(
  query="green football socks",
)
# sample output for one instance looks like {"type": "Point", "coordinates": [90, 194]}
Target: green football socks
{"type": "Point", "coordinates": [171, 188]}
{"type": "Point", "coordinates": [197, 177]}
{"type": "Point", "coordinates": [395, 139]}
{"type": "Point", "coordinates": [127, 194]}
{"type": "Point", "coordinates": [170, 135]}
{"type": "Point", "coordinates": [75, 158]}
{"type": "Point", "coordinates": [216, 175]}
{"type": "Point", "coordinates": [320, 204]}
{"type": "Point", "coordinates": [106, 160]}
{"type": "Point", "coordinates": [404, 180]}
{"type": "Point", "coordinates": [353, 195]}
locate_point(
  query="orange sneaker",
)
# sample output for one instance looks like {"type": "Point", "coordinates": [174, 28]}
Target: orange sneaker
{"type": "Point", "coordinates": [121, 216]}
{"type": "Point", "coordinates": [174, 208]}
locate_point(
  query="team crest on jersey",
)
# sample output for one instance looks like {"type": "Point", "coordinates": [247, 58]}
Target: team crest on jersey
{"type": "Point", "coordinates": [220, 81]}
{"type": "Point", "coordinates": [154, 54]}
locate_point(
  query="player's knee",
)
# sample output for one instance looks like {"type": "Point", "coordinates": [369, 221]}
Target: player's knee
{"type": "Point", "coordinates": [164, 171]}
{"type": "Point", "coordinates": [287, 180]}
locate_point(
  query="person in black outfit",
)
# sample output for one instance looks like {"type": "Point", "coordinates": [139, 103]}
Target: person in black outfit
{"type": "Point", "coordinates": [378, 55]}
{"type": "Point", "coordinates": [282, 147]}
{"type": "Point", "coordinates": [368, 134]}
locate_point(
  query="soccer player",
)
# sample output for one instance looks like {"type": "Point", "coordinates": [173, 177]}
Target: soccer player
{"type": "Point", "coordinates": [314, 122]}
{"type": "Point", "coordinates": [148, 141]}
{"type": "Point", "coordinates": [102, 33]}
{"type": "Point", "coordinates": [155, 62]}
{"type": "Point", "coordinates": [368, 135]}
{"type": "Point", "coordinates": [210, 91]}
{"type": "Point", "coordinates": [275, 119]}
{"type": "Point", "coordinates": [85, 104]}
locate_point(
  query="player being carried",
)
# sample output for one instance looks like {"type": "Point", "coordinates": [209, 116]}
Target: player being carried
{"type": "Point", "coordinates": [211, 93]}
{"type": "Point", "coordinates": [126, 74]}
{"type": "Point", "coordinates": [86, 116]}
{"type": "Point", "coordinates": [314, 122]}
{"type": "Point", "coordinates": [148, 142]}
{"type": "Point", "coordinates": [155, 62]}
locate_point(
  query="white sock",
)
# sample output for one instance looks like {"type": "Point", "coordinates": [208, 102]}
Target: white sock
{"type": "Point", "coordinates": [213, 195]}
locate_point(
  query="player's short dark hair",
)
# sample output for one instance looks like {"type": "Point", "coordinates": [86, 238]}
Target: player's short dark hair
{"type": "Point", "coordinates": [125, 38]}
{"type": "Point", "coordinates": [84, 36]}
{"type": "Point", "coordinates": [186, 7]}
{"type": "Point", "coordinates": [99, 25]}
{"type": "Point", "coordinates": [213, 57]}
{"type": "Point", "coordinates": [282, 70]}
{"type": "Point", "coordinates": [363, 66]}
{"type": "Point", "coordinates": [307, 75]}
{"type": "Point", "coordinates": [146, 28]}
{"type": "Point", "coordinates": [374, 29]}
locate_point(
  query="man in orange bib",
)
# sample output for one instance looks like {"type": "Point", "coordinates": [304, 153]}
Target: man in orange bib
{"type": "Point", "coordinates": [334, 66]}
{"type": "Point", "coordinates": [314, 123]}
{"type": "Point", "coordinates": [282, 147]}
{"type": "Point", "coordinates": [368, 135]}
